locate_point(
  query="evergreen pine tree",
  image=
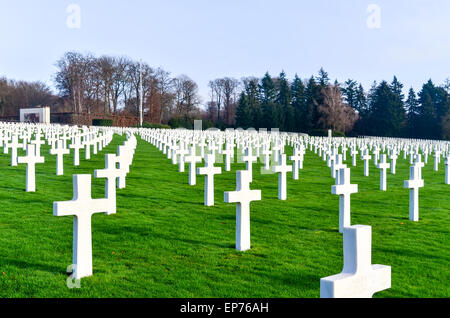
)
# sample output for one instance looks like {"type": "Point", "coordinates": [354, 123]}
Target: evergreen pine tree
{"type": "Point", "coordinates": [254, 104]}
{"type": "Point", "coordinates": [268, 95]}
{"type": "Point", "coordinates": [284, 107]}
{"type": "Point", "coordinates": [350, 91]}
{"type": "Point", "coordinates": [387, 115]}
{"type": "Point", "coordinates": [298, 103]}
{"type": "Point", "coordinates": [412, 109]}
{"type": "Point", "coordinates": [361, 100]}
{"type": "Point", "coordinates": [323, 80]}
{"type": "Point", "coordinates": [312, 100]}
{"type": "Point", "coordinates": [397, 88]}
{"type": "Point", "coordinates": [243, 112]}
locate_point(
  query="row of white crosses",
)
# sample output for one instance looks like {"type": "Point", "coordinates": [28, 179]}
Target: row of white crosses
{"type": "Point", "coordinates": [243, 195]}
{"type": "Point", "coordinates": [83, 206]}
{"type": "Point", "coordinates": [176, 150]}
{"type": "Point", "coordinates": [58, 148]}
{"type": "Point", "coordinates": [359, 278]}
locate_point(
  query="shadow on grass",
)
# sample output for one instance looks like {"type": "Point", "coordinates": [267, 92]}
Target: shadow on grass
{"type": "Point", "coordinates": [34, 266]}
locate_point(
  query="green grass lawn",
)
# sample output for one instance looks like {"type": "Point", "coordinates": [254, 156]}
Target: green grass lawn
{"type": "Point", "coordinates": [163, 242]}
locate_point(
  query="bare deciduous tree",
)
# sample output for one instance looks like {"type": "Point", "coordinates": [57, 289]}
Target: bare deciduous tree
{"type": "Point", "coordinates": [335, 114]}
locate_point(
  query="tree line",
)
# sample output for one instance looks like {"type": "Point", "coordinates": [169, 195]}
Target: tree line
{"type": "Point", "coordinates": [108, 85]}
{"type": "Point", "coordinates": [316, 105]}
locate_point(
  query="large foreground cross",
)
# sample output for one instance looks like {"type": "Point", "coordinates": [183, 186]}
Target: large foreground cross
{"type": "Point", "coordinates": [359, 278]}
{"type": "Point", "coordinates": [82, 206]}
{"type": "Point", "coordinates": [242, 196]}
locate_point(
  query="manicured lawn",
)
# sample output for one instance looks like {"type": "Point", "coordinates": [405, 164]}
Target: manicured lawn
{"type": "Point", "coordinates": [163, 242]}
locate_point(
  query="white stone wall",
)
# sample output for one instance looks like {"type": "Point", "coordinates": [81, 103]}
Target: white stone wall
{"type": "Point", "coordinates": [43, 114]}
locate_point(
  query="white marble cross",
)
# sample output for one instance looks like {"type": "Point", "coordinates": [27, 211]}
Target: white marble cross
{"type": "Point", "coordinates": [31, 159]}
{"type": "Point", "coordinates": [266, 152]}
{"type": "Point", "coordinates": [437, 159]}
{"type": "Point", "coordinates": [277, 148]}
{"type": "Point", "coordinates": [249, 159]}
{"type": "Point", "coordinates": [366, 157]}
{"type": "Point", "coordinates": [282, 169]}
{"type": "Point", "coordinates": [60, 151]}
{"type": "Point", "coordinates": [447, 170]}
{"type": "Point", "coordinates": [344, 189]}
{"type": "Point", "coordinates": [76, 146]}
{"type": "Point", "coordinates": [209, 171]}
{"type": "Point", "coordinates": [182, 153]}
{"type": "Point", "coordinates": [295, 165]}
{"type": "Point", "coordinates": [14, 145]}
{"type": "Point", "coordinates": [192, 159]}
{"type": "Point", "coordinates": [413, 185]}
{"type": "Point", "coordinates": [82, 207]}
{"type": "Point", "coordinates": [38, 142]}
{"type": "Point", "coordinates": [393, 158]}
{"type": "Point", "coordinates": [242, 196]}
{"type": "Point", "coordinates": [383, 166]}
{"type": "Point", "coordinates": [376, 155]}
{"type": "Point", "coordinates": [87, 150]}
{"type": "Point", "coordinates": [228, 152]}
{"type": "Point", "coordinates": [354, 152]}
{"type": "Point", "coordinates": [419, 164]}
{"type": "Point", "coordinates": [111, 173]}
{"type": "Point", "coordinates": [411, 156]}
{"type": "Point", "coordinates": [336, 166]}
{"type": "Point", "coordinates": [359, 278]}
{"type": "Point", "coordinates": [344, 152]}
{"type": "Point", "coordinates": [124, 161]}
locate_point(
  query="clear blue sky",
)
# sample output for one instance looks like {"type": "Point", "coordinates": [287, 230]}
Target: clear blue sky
{"type": "Point", "coordinates": [206, 39]}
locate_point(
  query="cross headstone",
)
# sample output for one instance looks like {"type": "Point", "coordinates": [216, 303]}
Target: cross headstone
{"type": "Point", "coordinates": [296, 160]}
{"type": "Point", "coordinates": [359, 278]}
{"type": "Point", "coordinates": [344, 189]}
{"type": "Point", "coordinates": [413, 184]}
{"type": "Point", "coordinates": [437, 158]}
{"type": "Point", "coordinates": [14, 145]}
{"type": "Point", "coordinates": [266, 153]}
{"type": "Point", "coordinates": [192, 159]}
{"type": "Point", "coordinates": [354, 152]}
{"type": "Point", "coordinates": [111, 173]}
{"type": "Point", "coordinates": [182, 153]}
{"type": "Point", "coordinates": [76, 146]}
{"type": "Point", "coordinates": [447, 170]}
{"type": "Point", "coordinates": [209, 171]}
{"type": "Point", "coordinates": [38, 142]}
{"type": "Point", "coordinates": [249, 159]}
{"type": "Point", "coordinates": [337, 165]}
{"type": "Point", "coordinates": [393, 158]}
{"type": "Point", "coordinates": [60, 151]}
{"type": "Point", "coordinates": [228, 152]}
{"type": "Point", "coordinates": [242, 196]}
{"type": "Point", "coordinates": [87, 149]}
{"type": "Point", "coordinates": [383, 166]}
{"type": "Point", "coordinates": [282, 169]}
{"type": "Point", "coordinates": [419, 164]}
{"type": "Point", "coordinates": [31, 159]}
{"type": "Point", "coordinates": [366, 157]}
{"type": "Point", "coordinates": [82, 207]}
